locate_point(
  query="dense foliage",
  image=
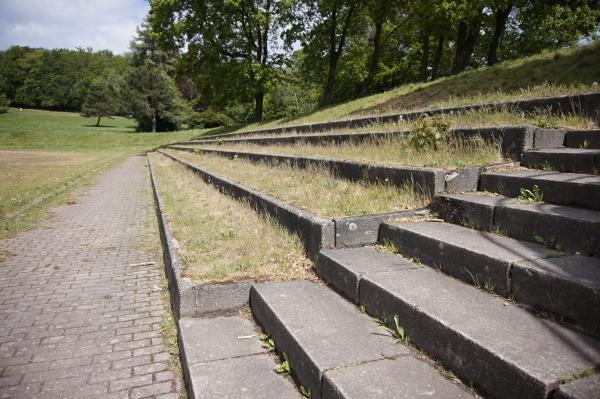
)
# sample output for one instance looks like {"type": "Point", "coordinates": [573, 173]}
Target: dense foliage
{"type": "Point", "coordinates": [212, 62]}
{"type": "Point", "coordinates": [53, 79]}
{"type": "Point", "coordinates": [295, 54]}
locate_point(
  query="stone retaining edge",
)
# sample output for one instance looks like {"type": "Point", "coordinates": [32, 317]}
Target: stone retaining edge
{"type": "Point", "coordinates": [315, 232]}
{"type": "Point", "coordinates": [182, 296]}
{"type": "Point", "coordinates": [428, 180]}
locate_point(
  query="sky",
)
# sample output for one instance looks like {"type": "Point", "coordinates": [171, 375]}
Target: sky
{"type": "Point", "coordinates": [99, 24]}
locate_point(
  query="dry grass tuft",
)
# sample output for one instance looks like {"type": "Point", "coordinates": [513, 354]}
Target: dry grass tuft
{"type": "Point", "coordinates": [313, 189]}
{"type": "Point", "coordinates": [223, 240]}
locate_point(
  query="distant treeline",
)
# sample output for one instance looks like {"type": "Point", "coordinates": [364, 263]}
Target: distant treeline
{"type": "Point", "coordinates": [54, 79]}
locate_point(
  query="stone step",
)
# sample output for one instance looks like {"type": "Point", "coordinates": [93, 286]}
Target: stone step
{"type": "Point", "coordinates": [583, 139]}
{"type": "Point", "coordinates": [563, 227]}
{"type": "Point", "coordinates": [558, 188]}
{"type": "Point", "coordinates": [337, 352]}
{"type": "Point", "coordinates": [502, 349]}
{"type": "Point", "coordinates": [533, 274]}
{"type": "Point", "coordinates": [571, 160]}
{"type": "Point", "coordinates": [222, 358]}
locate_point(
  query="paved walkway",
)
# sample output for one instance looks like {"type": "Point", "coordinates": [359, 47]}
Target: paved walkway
{"type": "Point", "coordinates": [78, 317]}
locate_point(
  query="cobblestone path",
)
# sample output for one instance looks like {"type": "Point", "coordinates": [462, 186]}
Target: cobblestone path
{"type": "Point", "coordinates": [78, 313]}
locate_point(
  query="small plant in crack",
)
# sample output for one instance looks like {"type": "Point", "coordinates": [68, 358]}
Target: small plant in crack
{"type": "Point", "coordinates": [438, 267]}
{"type": "Point", "coordinates": [474, 278]}
{"type": "Point", "coordinates": [305, 392]}
{"type": "Point", "coordinates": [362, 309]}
{"type": "Point", "coordinates": [267, 342]}
{"type": "Point", "coordinates": [284, 367]}
{"type": "Point", "coordinates": [550, 242]}
{"type": "Point", "coordinates": [533, 195]}
{"type": "Point", "coordinates": [489, 286]}
{"type": "Point", "coordinates": [397, 332]}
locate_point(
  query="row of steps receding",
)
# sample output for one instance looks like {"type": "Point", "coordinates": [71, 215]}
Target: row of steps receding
{"type": "Point", "coordinates": [500, 348]}
{"type": "Point", "coordinates": [580, 153]}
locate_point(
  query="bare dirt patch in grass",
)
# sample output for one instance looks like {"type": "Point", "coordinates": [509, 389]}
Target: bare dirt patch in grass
{"type": "Point", "coordinates": [313, 189]}
{"type": "Point", "coordinates": [221, 239]}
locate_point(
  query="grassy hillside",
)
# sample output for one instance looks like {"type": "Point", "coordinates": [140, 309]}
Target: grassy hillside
{"type": "Point", "coordinates": [565, 71]}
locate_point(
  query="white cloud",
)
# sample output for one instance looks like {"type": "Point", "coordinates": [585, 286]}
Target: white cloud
{"type": "Point", "coordinates": [100, 24]}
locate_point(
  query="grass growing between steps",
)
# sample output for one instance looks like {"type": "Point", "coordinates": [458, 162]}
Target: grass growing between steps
{"type": "Point", "coordinates": [479, 118]}
{"type": "Point", "coordinates": [454, 153]}
{"type": "Point", "coordinates": [312, 189]}
{"type": "Point", "coordinates": [223, 240]}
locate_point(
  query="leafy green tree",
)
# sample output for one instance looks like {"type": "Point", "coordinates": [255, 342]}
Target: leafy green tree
{"type": "Point", "coordinates": [102, 100]}
{"type": "Point", "coordinates": [4, 103]}
{"type": "Point", "coordinates": [232, 43]}
{"type": "Point", "coordinates": [153, 98]}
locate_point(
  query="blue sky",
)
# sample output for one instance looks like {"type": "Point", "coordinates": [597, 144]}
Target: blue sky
{"type": "Point", "coordinates": [100, 24]}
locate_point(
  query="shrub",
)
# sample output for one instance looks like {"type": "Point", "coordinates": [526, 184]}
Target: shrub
{"type": "Point", "coordinates": [208, 119]}
{"type": "Point", "coordinates": [4, 103]}
{"type": "Point", "coordinates": [428, 132]}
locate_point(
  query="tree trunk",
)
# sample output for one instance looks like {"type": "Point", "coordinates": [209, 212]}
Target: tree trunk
{"type": "Point", "coordinates": [335, 51]}
{"type": "Point", "coordinates": [468, 33]}
{"type": "Point", "coordinates": [461, 36]}
{"type": "Point", "coordinates": [437, 58]}
{"type": "Point", "coordinates": [424, 57]}
{"type": "Point", "coordinates": [98, 121]}
{"type": "Point", "coordinates": [366, 86]}
{"type": "Point", "coordinates": [153, 118]}
{"type": "Point", "coordinates": [259, 99]}
{"type": "Point", "coordinates": [501, 17]}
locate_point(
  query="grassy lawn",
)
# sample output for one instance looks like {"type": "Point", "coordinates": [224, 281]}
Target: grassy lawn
{"type": "Point", "coordinates": [221, 239]}
{"type": "Point", "coordinates": [45, 155]}
{"type": "Point", "coordinates": [314, 189]}
{"type": "Point", "coordinates": [565, 71]}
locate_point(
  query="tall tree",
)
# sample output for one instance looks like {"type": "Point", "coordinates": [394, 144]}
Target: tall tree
{"type": "Point", "coordinates": [153, 98]}
{"type": "Point", "coordinates": [387, 17]}
{"type": "Point", "coordinates": [102, 100]}
{"type": "Point", "coordinates": [337, 17]}
{"type": "Point", "coordinates": [222, 37]}
{"type": "Point", "coordinates": [501, 10]}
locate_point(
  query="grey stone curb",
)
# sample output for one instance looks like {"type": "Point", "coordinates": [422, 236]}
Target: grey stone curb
{"type": "Point", "coordinates": [578, 104]}
{"type": "Point", "coordinates": [481, 338]}
{"type": "Point", "coordinates": [354, 231]}
{"type": "Point", "coordinates": [182, 295]}
{"type": "Point", "coordinates": [315, 232]}
{"type": "Point", "coordinates": [514, 139]}
{"type": "Point", "coordinates": [428, 180]}
{"type": "Point", "coordinates": [191, 300]}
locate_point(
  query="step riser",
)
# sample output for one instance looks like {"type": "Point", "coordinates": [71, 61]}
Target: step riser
{"type": "Point", "coordinates": [583, 138]}
{"type": "Point", "coordinates": [568, 234]}
{"type": "Point", "coordinates": [469, 361]}
{"type": "Point", "coordinates": [534, 283]}
{"type": "Point", "coordinates": [453, 260]}
{"type": "Point", "coordinates": [555, 192]}
{"type": "Point", "coordinates": [306, 371]}
{"type": "Point", "coordinates": [568, 163]}
{"type": "Point", "coordinates": [468, 351]}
